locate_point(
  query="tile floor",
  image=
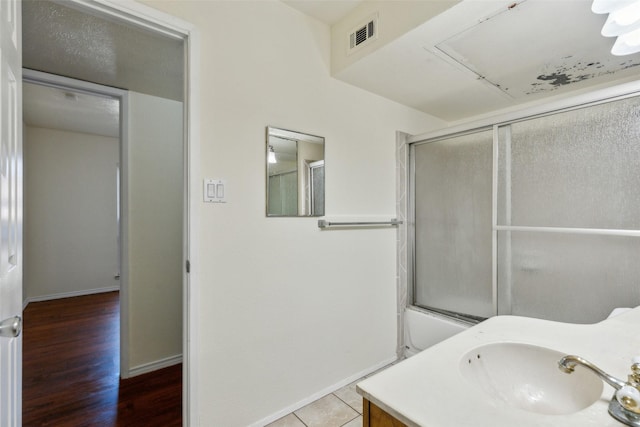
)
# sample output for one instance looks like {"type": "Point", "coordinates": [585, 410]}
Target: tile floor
{"type": "Point", "coordinates": [342, 408]}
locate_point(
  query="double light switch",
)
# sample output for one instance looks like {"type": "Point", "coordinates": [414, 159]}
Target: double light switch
{"type": "Point", "coordinates": [215, 190]}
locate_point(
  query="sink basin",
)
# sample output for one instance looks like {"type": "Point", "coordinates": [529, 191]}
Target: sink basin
{"type": "Point", "coordinates": [527, 377]}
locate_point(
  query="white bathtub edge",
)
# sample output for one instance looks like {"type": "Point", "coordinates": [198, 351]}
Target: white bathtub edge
{"type": "Point", "coordinates": [422, 330]}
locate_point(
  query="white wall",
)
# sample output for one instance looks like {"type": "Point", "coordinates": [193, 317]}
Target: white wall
{"type": "Point", "coordinates": [273, 333]}
{"type": "Point", "coordinates": [155, 200]}
{"type": "Point", "coordinates": [70, 237]}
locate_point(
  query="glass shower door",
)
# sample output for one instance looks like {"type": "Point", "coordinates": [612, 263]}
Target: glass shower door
{"type": "Point", "coordinates": [539, 217]}
{"type": "Point", "coordinates": [453, 225]}
{"type": "Point", "coordinates": [568, 213]}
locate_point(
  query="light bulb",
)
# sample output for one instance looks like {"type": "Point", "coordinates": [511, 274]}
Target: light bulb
{"type": "Point", "coordinates": [621, 21]}
{"type": "Point", "coordinates": [608, 6]}
{"type": "Point", "coordinates": [627, 44]}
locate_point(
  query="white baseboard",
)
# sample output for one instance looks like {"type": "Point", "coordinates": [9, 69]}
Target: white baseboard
{"type": "Point", "coordinates": [69, 295]}
{"type": "Point", "coordinates": [337, 386]}
{"type": "Point", "coordinates": [155, 365]}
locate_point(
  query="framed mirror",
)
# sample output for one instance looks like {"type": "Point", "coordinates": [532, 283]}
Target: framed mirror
{"type": "Point", "coordinates": [295, 173]}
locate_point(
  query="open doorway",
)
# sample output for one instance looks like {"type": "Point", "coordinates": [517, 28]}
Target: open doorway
{"type": "Point", "coordinates": [76, 139]}
{"type": "Point", "coordinates": [68, 39]}
{"type": "Point", "coordinates": [153, 201]}
{"type": "Point", "coordinates": [159, 24]}
{"type": "Point", "coordinates": [71, 143]}
{"type": "Point", "coordinates": [71, 152]}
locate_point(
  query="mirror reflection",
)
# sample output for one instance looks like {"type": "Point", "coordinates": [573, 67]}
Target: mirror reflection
{"type": "Point", "coordinates": [295, 173]}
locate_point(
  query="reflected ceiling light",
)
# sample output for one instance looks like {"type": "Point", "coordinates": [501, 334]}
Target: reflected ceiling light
{"type": "Point", "coordinates": [623, 22]}
{"type": "Point", "coordinates": [272, 155]}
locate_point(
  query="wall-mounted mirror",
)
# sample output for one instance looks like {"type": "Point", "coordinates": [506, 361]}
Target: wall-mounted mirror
{"type": "Point", "coordinates": [295, 173]}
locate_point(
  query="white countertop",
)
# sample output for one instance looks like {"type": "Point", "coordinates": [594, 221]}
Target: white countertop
{"type": "Point", "coordinates": [428, 389]}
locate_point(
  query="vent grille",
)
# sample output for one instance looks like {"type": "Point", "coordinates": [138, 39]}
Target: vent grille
{"type": "Point", "coordinates": [362, 34]}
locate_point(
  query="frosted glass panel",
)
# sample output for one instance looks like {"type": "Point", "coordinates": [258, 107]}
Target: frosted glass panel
{"type": "Point", "coordinates": [453, 224]}
{"type": "Point", "coordinates": [283, 194]}
{"type": "Point", "coordinates": [567, 277]}
{"type": "Point", "coordinates": [577, 169]}
{"type": "Point", "coordinates": [317, 183]}
{"type": "Point", "coordinates": [574, 169]}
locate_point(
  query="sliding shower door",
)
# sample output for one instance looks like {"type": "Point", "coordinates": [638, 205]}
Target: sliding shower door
{"type": "Point", "coordinates": [452, 266]}
{"type": "Point", "coordinates": [538, 217]}
{"type": "Point", "coordinates": [568, 213]}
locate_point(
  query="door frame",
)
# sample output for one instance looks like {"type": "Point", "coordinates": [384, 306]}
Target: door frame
{"type": "Point", "coordinates": [146, 17]}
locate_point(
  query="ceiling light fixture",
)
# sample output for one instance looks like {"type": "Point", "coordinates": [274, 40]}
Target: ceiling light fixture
{"type": "Point", "coordinates": [272, 155]}
{"type": "Point", "coordinates": [623, 22]}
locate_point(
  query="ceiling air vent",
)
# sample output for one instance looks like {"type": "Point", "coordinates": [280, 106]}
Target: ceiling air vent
{"type": "Point", "coordinates": [363, 33]}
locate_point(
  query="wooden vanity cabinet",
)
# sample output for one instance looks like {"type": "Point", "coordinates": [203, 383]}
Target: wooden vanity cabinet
{"type": "Point", "coordinates": [373, 416]}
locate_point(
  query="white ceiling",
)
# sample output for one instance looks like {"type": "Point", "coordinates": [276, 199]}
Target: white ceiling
{"type": "Point", "coordinates": [59, 39]}
{"type": "Point", "coordinates": [327, 11]}
{"type": "Point", "coordinates": [485, 55]}
{"type": "Point", "coordinates": [477, 57]}
{"type": "Point", "coordinates": [53, 108]}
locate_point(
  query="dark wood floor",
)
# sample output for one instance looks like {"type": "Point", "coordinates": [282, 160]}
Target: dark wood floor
{"type": "Point", "coordinates": [71, 370]}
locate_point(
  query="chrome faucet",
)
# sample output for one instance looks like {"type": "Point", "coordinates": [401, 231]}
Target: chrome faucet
{"type": "Point", "coordinates": [625, 403]}
{"type": "Point", "coordinates": [568, 364]}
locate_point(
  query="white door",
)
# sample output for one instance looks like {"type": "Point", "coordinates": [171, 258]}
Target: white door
{"type": "Point", "coordinates": [10, 213]}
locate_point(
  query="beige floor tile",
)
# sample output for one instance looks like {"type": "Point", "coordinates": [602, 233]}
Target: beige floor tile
{"type": "Point", "coordinates": [326, 412]}
{"type": "Point", "coordinates": [354, 423]}
{"type": "Point", "coordinates": [350, 396]}
{"type": "Point", "coordinates": [289, 421]}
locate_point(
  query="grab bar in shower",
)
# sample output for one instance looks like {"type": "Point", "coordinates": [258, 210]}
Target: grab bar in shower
{"type": "Point", "coordinates": [326, 224]}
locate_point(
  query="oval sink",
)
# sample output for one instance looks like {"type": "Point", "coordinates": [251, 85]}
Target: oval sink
{"type": "Point", "coordinates": [527, 377]}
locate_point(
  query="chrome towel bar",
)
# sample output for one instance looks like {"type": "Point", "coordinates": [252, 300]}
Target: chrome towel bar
{"type": "Point", "coordinates": [326, 224]}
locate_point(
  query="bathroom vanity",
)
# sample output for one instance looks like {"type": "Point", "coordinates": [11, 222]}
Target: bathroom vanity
{"type": "Point", "coordinates": [373, 416]}
{"type": "Point", "coordinates": [504, 372]}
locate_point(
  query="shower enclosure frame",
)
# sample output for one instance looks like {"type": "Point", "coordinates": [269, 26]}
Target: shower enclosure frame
{"type": "Point", "coordinates": [406, 205]}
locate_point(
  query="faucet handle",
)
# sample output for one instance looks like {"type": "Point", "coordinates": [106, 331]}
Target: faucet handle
{"type": "Point", "coordinates": [634, 377]}
{"type": "Point", "coordinates": [629, 397]}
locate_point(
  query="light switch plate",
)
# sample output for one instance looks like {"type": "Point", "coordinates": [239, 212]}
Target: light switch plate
{"type": "Point", "coordinates": [215, 190]}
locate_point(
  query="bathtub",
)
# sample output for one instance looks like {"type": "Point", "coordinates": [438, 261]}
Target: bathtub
{"type": "Point", "coordinates": [423, 329]}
